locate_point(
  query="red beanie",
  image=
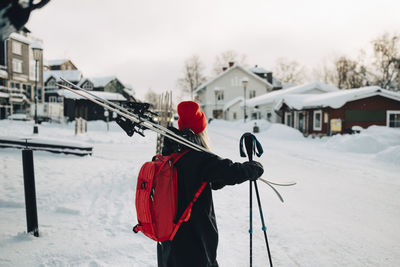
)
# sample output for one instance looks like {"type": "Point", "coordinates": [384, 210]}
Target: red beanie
{"type": "Point", "coordinates": [190, 116]}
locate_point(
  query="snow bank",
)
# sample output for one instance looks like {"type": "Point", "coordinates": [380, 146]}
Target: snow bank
{"type": "Point", "coordinates": [389, 155]}
{"type": "Point", "coordinates": [86, 204]}
{"type": "Point", "coordinates": [373, 140]}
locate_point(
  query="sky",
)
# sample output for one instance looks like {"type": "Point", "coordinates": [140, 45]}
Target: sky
{"type": "Point", "coordinates": [145, 43]}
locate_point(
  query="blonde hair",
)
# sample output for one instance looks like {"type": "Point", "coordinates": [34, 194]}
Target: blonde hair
{"type": "Point", "coordinates": [204, 140]}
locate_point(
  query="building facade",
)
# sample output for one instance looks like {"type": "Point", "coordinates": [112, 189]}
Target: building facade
{"type": "Point", "coordinates": [20, 73]}
{"type": "Point", "coordinates": [224, 96]}
{"type": "Point", "coordinates": [263, 107]}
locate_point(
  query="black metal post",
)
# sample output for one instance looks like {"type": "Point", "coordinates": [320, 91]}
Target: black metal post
{"type": "Point", "coordinates": [244, 103]}
{"type": "Point", "coordinates": [30, 192]}
{"type": "Point", "coordinates": [35, 127]}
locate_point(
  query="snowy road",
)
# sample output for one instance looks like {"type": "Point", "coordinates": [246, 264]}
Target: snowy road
{"type": "Point", "coordinates": [344, 211]}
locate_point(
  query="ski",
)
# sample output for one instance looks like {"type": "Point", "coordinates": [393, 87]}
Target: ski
{"type": "Point", "coordinates": [140, 122]}
{"type": "Point", "coordinates": [133, 117]}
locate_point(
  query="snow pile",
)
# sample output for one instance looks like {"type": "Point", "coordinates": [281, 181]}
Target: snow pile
{"type": "Point", "coordinates": [86, 204]}
{"type": "Point", "coordinates": [369, 141]}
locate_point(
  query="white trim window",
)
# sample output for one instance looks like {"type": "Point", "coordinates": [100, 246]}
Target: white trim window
{"type": "Point", "coordinates": [317, 120]}
{"type": "Point", "coordinates": [53, 99]}
{"type": "Point", "coordinates": [288, 119]}
{"type": "Point", "coordinates": [87, 86]}
{"type": "Point", "coordinates": [393, 118]}
{"type": "Point", "coordinates": [16, 48]}
{"type": "Point", "coordinates": [220, 95]}
{"type": "Point", "coordinates": [17, 65]}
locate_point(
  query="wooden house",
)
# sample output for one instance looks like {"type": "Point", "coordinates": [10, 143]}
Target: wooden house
{"type": "Point", "coordinates": [339, 112]}
{"type": "Point", "coordinates": [76, 106]}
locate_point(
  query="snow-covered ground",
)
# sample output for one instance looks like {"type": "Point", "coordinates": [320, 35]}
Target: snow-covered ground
{"type": "Point", "coordinates": [344, 210]}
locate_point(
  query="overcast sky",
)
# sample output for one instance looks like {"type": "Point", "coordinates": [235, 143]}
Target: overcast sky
{"type": "Point", "coordinates": [144, 43]}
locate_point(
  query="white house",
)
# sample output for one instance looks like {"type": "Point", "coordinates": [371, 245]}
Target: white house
{"type": "Point", "coordinates": [262, 107]}
{"type": "Point", "coordinates": [222, 96]}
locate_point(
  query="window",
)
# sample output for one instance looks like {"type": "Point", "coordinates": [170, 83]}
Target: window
{"type": "Point", "coordinates": [16, 48]}
{"type": "Point", "coordinates": [235, 81]}
{"type": "Point", "coordinates": [217, 113]}
{"type": "Point", "coordinates": [317, 120]}
{"type": "Point", "coordinates": [220, 95]}
{"type": "Point", "coordinates": [39, 92]}
{"type": "Point", "coordinates": [52, 99]}
{"type": "Point", "coordinates": [234, 115]}
{"type": "Point", "coordinates": [393, 118]}
{"type": "Point", "coordinates": [252, 93]}
{"type": "Point", "coordinates": [28, 91]}
{"type": "Point", "coordinates": [17, 65]}
{"type": "Point", "coordinates": [88, 86]}
{"type": "Point", "coordinates": [288, 119]}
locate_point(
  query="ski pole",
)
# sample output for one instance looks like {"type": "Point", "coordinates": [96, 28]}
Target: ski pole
{"type": "Point", "coordinates": [251, 144]}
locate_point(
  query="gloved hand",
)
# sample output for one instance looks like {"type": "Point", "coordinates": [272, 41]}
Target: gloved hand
{"type": "Point", "coordinates": [255, 169]}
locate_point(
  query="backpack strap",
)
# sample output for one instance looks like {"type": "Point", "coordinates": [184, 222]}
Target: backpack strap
{"type": "Point", "coordinates": [177, 156]}
{"type": "Point", "coordinates": [186, 214]}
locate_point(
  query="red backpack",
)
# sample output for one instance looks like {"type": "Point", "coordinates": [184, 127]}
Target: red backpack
{"type": "Point", "coordinates": [157, 198]}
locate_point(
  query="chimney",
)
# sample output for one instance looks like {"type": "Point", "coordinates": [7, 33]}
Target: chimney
{"type": "Point", "coordinates": [231, 63]}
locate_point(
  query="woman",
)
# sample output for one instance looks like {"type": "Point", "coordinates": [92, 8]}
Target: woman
{"type": "Point", "coordinates": [195, 243]}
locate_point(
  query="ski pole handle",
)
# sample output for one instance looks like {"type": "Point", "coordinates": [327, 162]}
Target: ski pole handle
{"type": "Point", "coordinates": [249, 144]}
{"type": "Point", "coordinates": [252, 146]}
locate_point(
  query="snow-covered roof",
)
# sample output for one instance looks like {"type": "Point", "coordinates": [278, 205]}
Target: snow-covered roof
{"type": "Point", "coordinates": [105, 95]}
{"type": "Point", "coordinates": [69, 75]}
{"type": "Point", "coordinates": [98, 81]}
{"type": "Point", "coordinates": [276, 83]}
{"type": "Point", "coordinates": [102, 81]}
{"type": "Point", "coordinates": [21, 38]}
{"type": "Point", "coordinates": [128, 85]}
{"type": "Point", "coordinates": [257, 69]}
{"type": "Point", "coordinates": [232, 102]}
{"type": "Point", "coordinates": [129, 91]}
{"type": "Point", "coordinates": [335, 99]}
{"type": "Point", "coordinates": [83, 80]}
{"type": "Point", "coordinates": [237, 66]}
{"type": "Point", "coordinates": [55, 62]}
{"type": "Point", "coordinates": [276, 96]}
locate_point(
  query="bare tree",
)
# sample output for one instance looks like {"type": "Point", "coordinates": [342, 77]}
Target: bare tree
{"type": "Point", "coordinates": [387, 60]}
{"type": "Point", "coordinates": [152, 97]}
{"type": "Point", "coordinates": [325, 72]}
{"type": "Point", "coordinates": [289, 71]}
{"type": "Point", "coordinates": [192, 75]}
{"type": "Point", "coordinates": [343, 72]}
{"type": "Point", "coordinates": [222, 60]}
{"type": "Point", "coordinates": [349, 73]}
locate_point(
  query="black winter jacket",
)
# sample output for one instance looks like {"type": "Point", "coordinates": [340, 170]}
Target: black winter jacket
{"type": "Point", "coordinates": [195, 243]}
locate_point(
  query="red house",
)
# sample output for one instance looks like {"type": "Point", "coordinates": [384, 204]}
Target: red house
{"type": "Point", "coordinates": [339, 112]}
